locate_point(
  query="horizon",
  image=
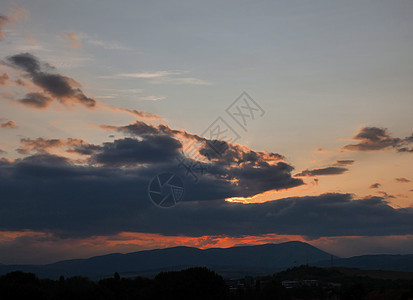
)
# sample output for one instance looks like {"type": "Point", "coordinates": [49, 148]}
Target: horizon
{"type": "Point", "coordinates": [205, 125]}
{"type": "Point", "coordinates": [210, 248]}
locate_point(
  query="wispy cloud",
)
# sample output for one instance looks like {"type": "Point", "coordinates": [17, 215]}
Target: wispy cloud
{"type": "Point", "coordinates": [152, 98]}
{"type": "Point", "coordinates": [94, 41]}
{"type": "Point", "coordinates": [402, 180]}
{"type": "Point", "coordinates": [16, 12]}
{"type": "Point", "coordinates": [71, 37]}
{"type": "Point", "coordinates": [109, 45]}
{"type": "Point", "coordinates": [149, 75]}
{"type": "Point", "coordinates": [161, 77]}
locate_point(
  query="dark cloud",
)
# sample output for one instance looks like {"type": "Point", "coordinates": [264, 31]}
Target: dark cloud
{"type": "Point", "coordinates": [402, 180]}
{"type": "Point", "coordinates": [346, 162]}
{"type": "Point", "coordinates": [375, 185]}
{"type": "Point", "coordinates": [118, 173]}
{"type": "Point", "coordinates": [240, 172]}
{"type": "Point", "coordinates": [250, 171]}
{"type": "Point", "coordinates": [55, 85]}
{"type": "Point", "coordinates": [138, 128]}
{"type": "Point", "coordinates": [49, 193]}
{"type": "Point", "coordinates": [2, 151]}
{"type": "Point", "coordinates": [36, 100]}
{"type": "Point", "coordinates": [42, 145]}
{"type": "Point", "coordinates": [129, 152]}
{"type": "Point", "coordinates": [204, 148]}
{"type": "Point", "coordinates": [322, 172]}
{"type": "Point", "coordinates": [58, 87]}
{"type": "Point", "coordinates": [8, 124]}
{"type": "Point", "coordinates": [376, 139]}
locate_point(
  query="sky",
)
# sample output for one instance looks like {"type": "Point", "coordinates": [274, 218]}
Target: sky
{"type": "Point", "coordinates": [278, 121]}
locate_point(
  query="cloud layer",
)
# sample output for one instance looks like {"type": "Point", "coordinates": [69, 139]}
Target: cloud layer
{"type": "Point", "coordinates": [50, 194]}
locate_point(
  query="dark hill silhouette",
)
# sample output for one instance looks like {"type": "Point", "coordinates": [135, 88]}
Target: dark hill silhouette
{"type": "Point", "coordinates": [260, 259]}
{"type": "Point", "coordinates": [374, 262]}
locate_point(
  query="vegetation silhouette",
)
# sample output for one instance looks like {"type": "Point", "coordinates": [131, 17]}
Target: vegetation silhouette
{"type": "Point", "coordinates": [202, 283]}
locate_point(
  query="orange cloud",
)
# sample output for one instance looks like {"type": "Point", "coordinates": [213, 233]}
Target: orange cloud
{"type": "Point", "coordinates": [74, 41]}
{"type": "Point", "coordinates": [42, 145]}
{"type": "Point", "coordinates": [8, 124]}
{"type": "Point", "coordinates": [3, 78]}
{"type": "Point", "coordinates": [402, 180]}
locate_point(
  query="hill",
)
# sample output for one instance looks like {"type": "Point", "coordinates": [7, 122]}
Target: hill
{"type": "Point", "coordinates": [232, 262]}
{"type": "Point", "coordinates": [373, 262]}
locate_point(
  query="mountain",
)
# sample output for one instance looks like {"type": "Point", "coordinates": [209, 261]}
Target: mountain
{"type": "Point", "coordinates": [373, 262]}
{"type": "Point", "coordinates": [234, 261]}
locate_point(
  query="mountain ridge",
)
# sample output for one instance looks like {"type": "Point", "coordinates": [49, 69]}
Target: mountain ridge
{"type": "Point", "coordinates": [234, 261]}
{"type": "Point", "coordinates": [268, 257]}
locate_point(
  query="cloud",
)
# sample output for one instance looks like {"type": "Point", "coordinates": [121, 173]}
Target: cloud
{"type": "Point", "coordinates": [65, 89]}
{"type": "Point", "coordinates": [36, 100]}
{"type": "Point", "coordinates": [51, 194]}
{"type": "Point", "coordinates": [152, 75]}
{"type": "Point", "coordinates": [43, 146]}
{"type": "Point", "coordinates": [346, 162]}
{"type": "Point", "coordinates": [386, 195]}
{"type": "Point", "coordinates": [74, 41]}
{"type": "Point", "coordinates": [375, 185]}
{"type": "Point", "coordinates": [321, 150]}
{"type": "Point", "coordinates": [7, 124]}
{"type": "Point", "coordinates": [402, 180]}
{"type": "Point", "coordinates": [250, 172]}
{"type": "Point", "coordinates": [322, 172]}
{"type": "Point", "coordinates": [2, 151]}
{"type": "Point", "coordinates": [109, 45]}
{"type": "Point", "coordinates": [58, 87]}
{"type": "Point", "coordinates": [136, 113]}
{"type": "Point", "coordinates": [152, 98]}
{"type": "Point", "coordinates": [378, 139]}
{"type": "Point", "coordinates": [106, 190]}
{"type": "Point", "coordinates": [15, 13]}
{"type": "Point", "coordinates": [181, 80]}
{"type": "Point", "coordinates": [4, 78]}
{"type": "Point", "coordinates": [4, 20]}
{"type": "Point", "coordinates": [162, 77]}
{"type": "Point", "coordinates": [130, 152]}
{"type": "Point", "coordinates": [201, 148]}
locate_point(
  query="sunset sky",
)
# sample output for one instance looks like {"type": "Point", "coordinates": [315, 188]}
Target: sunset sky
{"type": "Point", "coordinates": [98, 97]}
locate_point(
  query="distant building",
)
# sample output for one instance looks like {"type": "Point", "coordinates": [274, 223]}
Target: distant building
{"type": "Point", "coordinates": [311, 282]}
{"type": "Point", "coordinates": [289, 284]}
